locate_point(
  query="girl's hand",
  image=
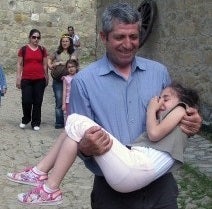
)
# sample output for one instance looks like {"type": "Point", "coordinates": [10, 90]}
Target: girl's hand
{"type": "Point", "coordinates": [64, 107]}
{"type": "Point", "coordinates": [155, 103]}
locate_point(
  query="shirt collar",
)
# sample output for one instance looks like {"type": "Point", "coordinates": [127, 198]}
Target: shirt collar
{"type": "Point", "coordinates": [110, 68]}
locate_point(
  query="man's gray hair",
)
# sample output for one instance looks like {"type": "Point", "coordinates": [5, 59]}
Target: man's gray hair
{"type": "Point", "coordinates": [122, 12]}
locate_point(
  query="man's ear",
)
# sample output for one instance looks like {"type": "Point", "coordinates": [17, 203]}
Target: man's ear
{"type": "Point", "coordinates": [103, 37]}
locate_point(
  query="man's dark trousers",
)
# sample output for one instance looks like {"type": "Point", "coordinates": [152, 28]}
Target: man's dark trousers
{"type": "Point", "coordinates": [160, 194]}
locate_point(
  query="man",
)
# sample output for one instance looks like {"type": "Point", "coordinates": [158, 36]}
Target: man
{"type": "Point", "coordinates": [76, 39]}
{"type": "Point", "coordinates": [114, 91]}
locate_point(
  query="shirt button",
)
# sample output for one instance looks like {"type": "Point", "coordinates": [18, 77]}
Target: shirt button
{"type": "Point", "coordinates": [132, 121]}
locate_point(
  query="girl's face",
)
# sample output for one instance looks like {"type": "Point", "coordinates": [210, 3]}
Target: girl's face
{"type": "Point", "coordinates": [65, 42]}
{"type": "Point", "coordinates": [71, 69]}
{"type": "Point", "coordinates": [170, 99]}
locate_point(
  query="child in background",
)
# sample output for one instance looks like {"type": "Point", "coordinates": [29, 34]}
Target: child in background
{"type": "Point", "coordinates": [3, 83]}
{"type": "Point", "coordinates": [136, 166]}
{"type": "Point", "coordinates": [72, 67]}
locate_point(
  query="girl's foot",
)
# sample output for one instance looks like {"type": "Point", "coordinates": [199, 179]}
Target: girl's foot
{"type": "Point", "coordinates": [39, 196]}
{"type": "Point", "coordinates": [28, 176]}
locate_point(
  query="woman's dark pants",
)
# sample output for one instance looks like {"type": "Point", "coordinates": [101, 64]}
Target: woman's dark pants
{"type": "Point", "coordinates": [32, 98]}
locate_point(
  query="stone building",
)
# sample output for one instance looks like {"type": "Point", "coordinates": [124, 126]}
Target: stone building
{"type": "Point", "coordinates": [51, 17]}
{"type": "Point", "coordinates": [181, 35]}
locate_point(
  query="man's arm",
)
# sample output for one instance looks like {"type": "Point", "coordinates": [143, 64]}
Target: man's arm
{"type": "Point", "coordinates": [191, 122]}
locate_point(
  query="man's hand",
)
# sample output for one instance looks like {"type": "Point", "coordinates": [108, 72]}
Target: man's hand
{"type": "Point", "coordinates": [95, 142]}
{"type": "Point", "coordinates": [191, 122]}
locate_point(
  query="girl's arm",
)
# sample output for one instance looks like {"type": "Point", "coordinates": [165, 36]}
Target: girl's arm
{"type": "Point", "coordinates": [19, 72]}
{"type": "Point", "coordinates": [64, 94]}
{"type": "Point", "coordinates": [156, 131]}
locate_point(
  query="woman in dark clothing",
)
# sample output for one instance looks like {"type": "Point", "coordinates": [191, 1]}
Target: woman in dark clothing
{"type": "Point", "coordinates": [32, 78]}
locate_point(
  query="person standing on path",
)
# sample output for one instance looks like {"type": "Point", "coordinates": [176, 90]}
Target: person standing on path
{"type": "Point", "coordinates": [72, 67]}
{"type": "Point", "coordinates": [75, 38]}
{"type": "Point", "coordinates": [32, 78]}
{"type": "Point", "coordinates": [56, 61]}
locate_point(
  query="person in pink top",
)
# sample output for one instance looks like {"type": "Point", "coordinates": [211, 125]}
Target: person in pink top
{"type": "Point", "coordinates": [72, 66]}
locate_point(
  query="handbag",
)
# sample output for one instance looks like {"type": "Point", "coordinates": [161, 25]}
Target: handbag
{"type": "Point", "coordinates": [58, 72]}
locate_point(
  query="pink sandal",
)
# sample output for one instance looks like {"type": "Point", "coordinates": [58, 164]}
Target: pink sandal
{"type": "Point", "coordinates": [39, 196]}
{"type": "Point", "coordinates": [27, 176]}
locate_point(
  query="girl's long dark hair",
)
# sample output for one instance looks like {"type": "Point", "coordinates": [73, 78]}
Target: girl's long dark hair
{"type": "Point", "coordinates": [186, 95]}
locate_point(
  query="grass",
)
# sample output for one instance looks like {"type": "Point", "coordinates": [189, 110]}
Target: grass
{"type": "Point", "coordinates": [195, 189]}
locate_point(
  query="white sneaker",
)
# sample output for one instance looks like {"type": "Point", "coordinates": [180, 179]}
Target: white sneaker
{"type": "Point", "coordinates": [22, 125]}
{"type": "Point", "coordinates": [36, 128]}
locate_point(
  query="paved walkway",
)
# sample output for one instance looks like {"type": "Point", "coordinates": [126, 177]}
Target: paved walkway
{"type": "Point", "coordinates": [25, 147]}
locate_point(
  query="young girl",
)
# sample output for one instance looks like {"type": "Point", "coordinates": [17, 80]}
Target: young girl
{"type": "Point", "coordinates": [72, 66]}
{"type": "Point", "coordinates": [135, 166]}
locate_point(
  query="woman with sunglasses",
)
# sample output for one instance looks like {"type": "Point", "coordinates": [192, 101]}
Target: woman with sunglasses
{"type": "Point", "coordinates": [32, 78]}
{"type": "Point", "coordinates": [56, 63]}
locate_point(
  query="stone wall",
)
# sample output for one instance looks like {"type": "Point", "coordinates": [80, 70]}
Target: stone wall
{"type": "Point", "coordinates": [181, 39]}
{"type": "Point", "coordinates": [51, 17]}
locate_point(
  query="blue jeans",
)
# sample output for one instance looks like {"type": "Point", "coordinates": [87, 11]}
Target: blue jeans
{"type": "Point", "coordinates": [58, 94]}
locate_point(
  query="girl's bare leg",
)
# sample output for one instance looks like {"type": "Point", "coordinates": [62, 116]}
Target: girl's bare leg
{"type": "Point", "coordinates": [65, 158]}
{"type": "Point", "coordinates": [47, 163]}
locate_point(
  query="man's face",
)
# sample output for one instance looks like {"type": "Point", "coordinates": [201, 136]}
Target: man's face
{"type": "Point", "coordinates": [71, 31]}
{"type": "Point", "coordinates": [122, 43]}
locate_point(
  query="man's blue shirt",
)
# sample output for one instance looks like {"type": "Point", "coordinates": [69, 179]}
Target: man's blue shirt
{"type": "Point", "coordinates": [117, 104]}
